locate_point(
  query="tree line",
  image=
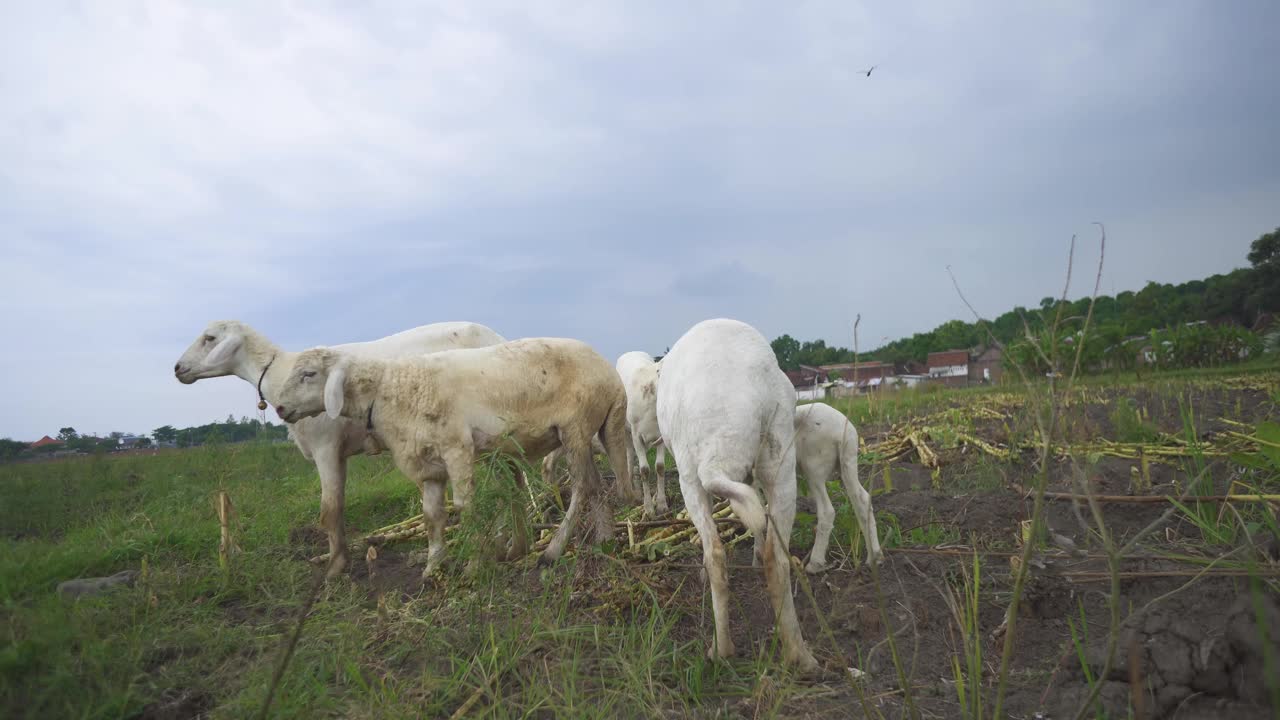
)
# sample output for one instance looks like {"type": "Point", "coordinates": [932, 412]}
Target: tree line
{"type": "Point", "coordinates": [230, 430]}
{"type": "Point", "coordinates": [1238, 297]}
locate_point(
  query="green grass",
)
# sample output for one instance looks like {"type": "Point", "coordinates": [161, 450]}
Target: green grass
{"type": "Point", "coordinates": [212, 639]}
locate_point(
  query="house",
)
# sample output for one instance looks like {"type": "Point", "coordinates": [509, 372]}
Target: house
{"type": "Point", "coordinates": [850, 379]}
{"type": "Point", "coordinates": [862, 371]}
{"type": "Point", "coordinates": [949, 367]}
{"type": "Point", "coordinates": [986, 366]}
{"type": "Point", "coordinates": [810, 382]}
{"type": "Point", "coordinates": [130, 441]}
{"type": "Point", "coordinates": [43, 442]}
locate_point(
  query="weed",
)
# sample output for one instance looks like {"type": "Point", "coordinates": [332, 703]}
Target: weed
{"type": "Point", "coordinates": [966, 668]}
{"type": "Point", "coordinates": [1080, 641]}
{"type": "Point", "coordinates": [1131, 423]}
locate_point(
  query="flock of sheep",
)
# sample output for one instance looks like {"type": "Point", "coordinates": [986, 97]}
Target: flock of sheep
{"type": "Point", "coordinates": [437, 395]}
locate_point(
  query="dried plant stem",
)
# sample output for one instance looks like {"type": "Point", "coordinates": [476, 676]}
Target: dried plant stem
{"type": "Point", "coordinates": [316, 583]}
{"type": "Point", "coordinates": [803, 578]}
{"type": "Point", "coordinates": [1153, 499]}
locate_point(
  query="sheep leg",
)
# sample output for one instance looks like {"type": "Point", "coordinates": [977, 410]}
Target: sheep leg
{"type": "Point", "coordinates": [614, 434]}
{"type": "Point", "coordinates": [660, 477]}
{"type": "Point", "coordinates": [583, 482]}
{"type": "Point", "coordinates": [459, 462]}
{"type": "Point", "coordinates": [777, 470]}
{"type": "Point", "coordinates": [698, 503]}
{"type": "Point", "coordinates": [816, 477]}
{"type": "Point", "coordinates": [757, 536]}
{"type": "Point", "coordinates": [640, 456]}
{"type": "Point", "coordinates": [519, 545]}
{"type": "Point", "coordinates": [333, 482]}
{"type": "Point", "coordinates": [549, 466]}
{"type": "Point", "coordinates": [433, 512]}
{"type": "Point", "coordinates": [861, 501]}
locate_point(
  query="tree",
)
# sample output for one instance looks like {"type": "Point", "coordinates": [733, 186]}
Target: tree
{"type": "Point", "coordinates": [144, 442]}
{"type": "Point", "coordinates": [67, 434]}
{"type": "Point", "coordinates": [787, 349]}
{"type": "Point", "coordinates": [165, 434]}
{"type": "Point", "coordinates": [10, 449]}
{"type": "Point", "coordinates": [1264, 253]}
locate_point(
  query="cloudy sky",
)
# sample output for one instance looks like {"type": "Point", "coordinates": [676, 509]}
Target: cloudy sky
{"type": "Point", "coordinates": [331, 172]}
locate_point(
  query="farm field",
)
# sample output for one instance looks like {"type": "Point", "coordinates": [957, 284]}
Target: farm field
{"type": "Point", "coordinates": [621, 630]}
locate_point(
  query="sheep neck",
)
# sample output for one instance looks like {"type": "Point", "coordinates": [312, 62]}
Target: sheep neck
{"type": "Point", "coordinates": [255, 353]}
{"type": "Point", "coordinates": [361, 388]}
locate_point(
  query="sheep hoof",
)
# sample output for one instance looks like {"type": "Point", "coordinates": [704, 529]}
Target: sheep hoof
{"type": "Point", "coordinates": [814, 567]}
{"type": "Point", "coordinates": [723, 651]}
{"type": "Point", "coordinates": [545, 561]}
{"type": "Point", "coordinates": [804, 662]}
{"type": "Point", "coordinates": [337, 567]}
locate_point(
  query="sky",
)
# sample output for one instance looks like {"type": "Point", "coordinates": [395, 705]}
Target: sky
{"type": "Point", "coordinates": [330, 172]}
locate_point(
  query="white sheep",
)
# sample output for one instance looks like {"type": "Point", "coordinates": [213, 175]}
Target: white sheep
{"type": "Point", "coordinates": [727, 412]}
{"type": "Point", "coordinates": [436, 412]}
{"type": "Point", "coordinates": [639, 375]}
{"type": "Point", "coordinates": [827, 442]}
{"type": "Point", "coordinates": [229, 347]}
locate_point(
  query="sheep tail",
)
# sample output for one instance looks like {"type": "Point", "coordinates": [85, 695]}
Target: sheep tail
{"type": "Point", "coordinates": [742, 497]}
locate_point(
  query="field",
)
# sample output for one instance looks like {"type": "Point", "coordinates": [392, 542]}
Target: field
{"type": "Point", "coordinates": [1186, 595]}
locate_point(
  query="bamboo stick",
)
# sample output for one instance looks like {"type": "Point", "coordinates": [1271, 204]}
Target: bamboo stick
{"type": "Point", "coordinates": [227, 544]}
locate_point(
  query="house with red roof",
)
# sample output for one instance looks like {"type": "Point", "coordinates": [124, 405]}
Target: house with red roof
{"type": "Point", "coordinates": [43, 442]}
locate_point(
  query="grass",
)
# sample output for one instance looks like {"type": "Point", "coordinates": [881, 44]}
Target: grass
{"type": "Point", "coordinates": [589, 636]}
{"type": "Point", "coordinates": [197, 637]}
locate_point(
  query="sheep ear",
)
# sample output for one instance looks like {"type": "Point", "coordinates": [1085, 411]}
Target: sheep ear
{"type": "Point", "coordinates": [223, 351]}
{"type": "Point", "coordinates": [333, 392]}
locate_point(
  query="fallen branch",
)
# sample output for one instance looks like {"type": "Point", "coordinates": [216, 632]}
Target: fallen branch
{"type": "Point", "coordinates": [1153, 498]}
{"type": "Point", "coordinates": [1084, 576]}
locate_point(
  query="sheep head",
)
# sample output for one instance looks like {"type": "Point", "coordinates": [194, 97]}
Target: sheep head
{"type": "Point", "coordinates": [316, 383]}
{"type": "Point", "coordinates": [214, 354]}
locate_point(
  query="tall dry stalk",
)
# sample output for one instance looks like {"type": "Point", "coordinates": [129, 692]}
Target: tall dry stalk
{"type": "Point", "coordinates": [1047, 418]}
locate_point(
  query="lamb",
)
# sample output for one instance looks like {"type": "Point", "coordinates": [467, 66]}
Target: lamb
{"type": "Point", "coordinates": [639, 375]}
{"type": "Point", "coordinates": [827, 442]}
{"type": "Point", "coordinates": [436, 412]}
{"type": "Point", "coordinates": [727, 411]}
{"type": "Point", "coordinates": [229, 347]}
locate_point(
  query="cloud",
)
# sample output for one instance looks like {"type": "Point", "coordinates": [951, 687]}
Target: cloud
{"type": "Point", "coordinates": [612, 171]}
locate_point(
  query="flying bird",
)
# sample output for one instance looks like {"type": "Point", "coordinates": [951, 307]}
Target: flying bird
{"type": "Point", "coordinates": [873, 67]}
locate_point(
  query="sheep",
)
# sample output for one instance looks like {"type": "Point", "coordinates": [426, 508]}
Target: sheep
{"type": "Point", "coordinates": [726, 411]}
{"type": "Point", "coordinates": [436, 412]}
{"type": "Point", "coordinates": [639, 375]}
{"type": "Point", "coordinates": [229, 347]}
{"type": "Point", "coordinates": [827, 442]}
